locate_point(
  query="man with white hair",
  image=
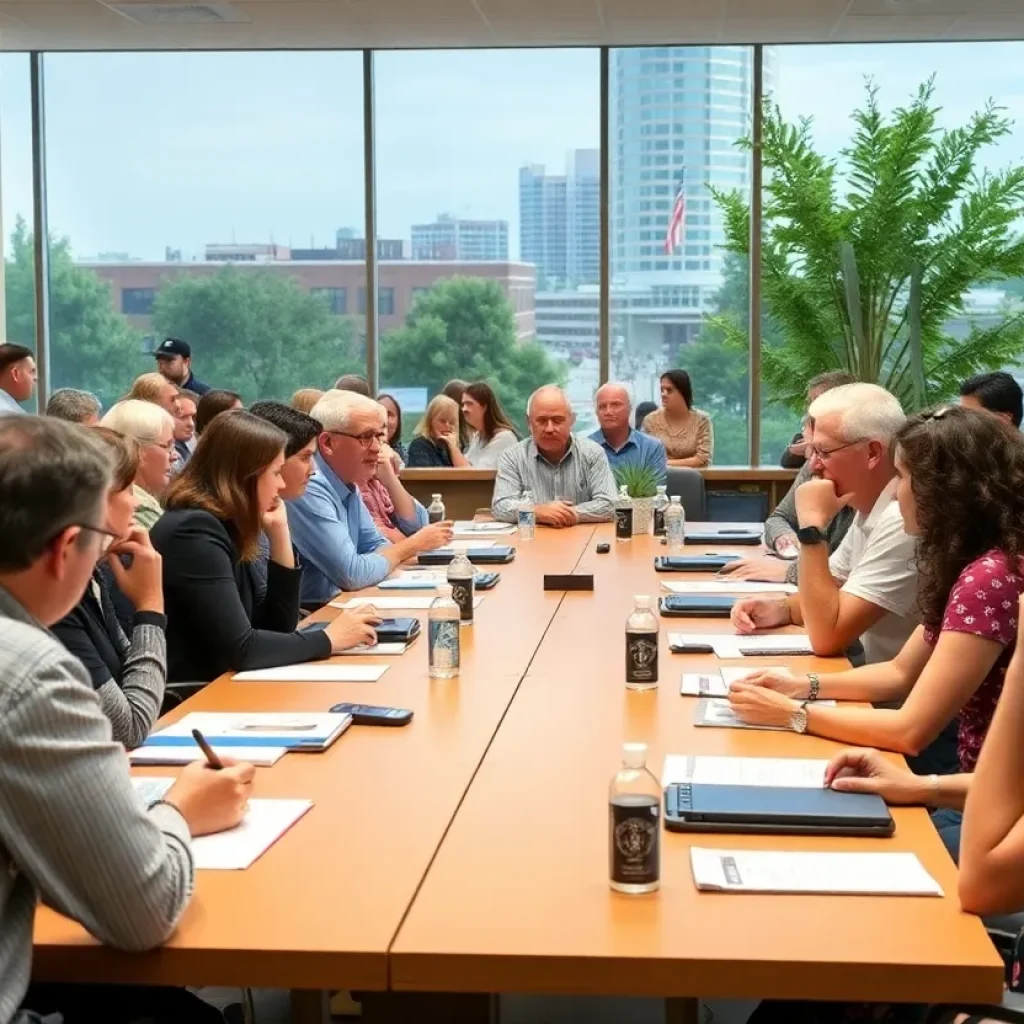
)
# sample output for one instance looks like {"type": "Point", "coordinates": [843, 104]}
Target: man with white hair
{"type": "Point", "coordinates": [623, 445]}
{"type": "Point", "coordinates": [340, 546]}
{"type": "Point", "coordinates": [868, 588]}
{"type": "Point", "coordinates": [569, 477]}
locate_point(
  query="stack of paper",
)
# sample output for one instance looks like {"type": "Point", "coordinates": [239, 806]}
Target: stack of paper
{"type": "Point", "coordinates": [392, 603]}
{"type": "Point", "coordinates": [730, 645]}
{"type": "Point", "coordinates": [716, 711]}
{"type": "Point", "coordinates": [726, 586]}
{"type": "Point", "coordinates": [264, 823]}
{"type": "Point", "coordinates": [861, 874]}
{"type": "Point", "coordinates": [466, 545]}
{"type": "Point", "coordinates": [238, 730]}
{"type": "Point", "coordinates": [377, 649]}
{"type": "Point", "coordinates": [716, 684]}
{"type": "Point", "coordinates": [472, 528]}
{"type": "Point", "coordinates": [313, 672]}
{"type": "Point", "coordinates": [264, 757]}
{"type": "Point", "coordinates": [416, 579]}
{"type": "Point", "coordinates": [803, 773]}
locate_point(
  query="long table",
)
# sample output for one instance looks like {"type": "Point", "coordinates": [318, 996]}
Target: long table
{"type": "Point", "coordinates": [467, 852]}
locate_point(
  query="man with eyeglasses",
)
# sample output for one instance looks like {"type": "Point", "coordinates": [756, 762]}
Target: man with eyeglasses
{"type": "Point", "coordinates": [340, 545]}
{"type": "Point", "coordinates": [867, 589]}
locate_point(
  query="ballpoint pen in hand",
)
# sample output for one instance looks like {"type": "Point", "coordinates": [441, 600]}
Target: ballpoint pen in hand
{"type": "Point", "coordinates": [211, 757]}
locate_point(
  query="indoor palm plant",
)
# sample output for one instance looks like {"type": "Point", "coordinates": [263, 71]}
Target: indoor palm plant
{"type": "Point", "coordinates": [641, 483]}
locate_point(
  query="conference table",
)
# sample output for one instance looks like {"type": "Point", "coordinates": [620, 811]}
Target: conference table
{"type": "Point", "coordinates": [466, 854]}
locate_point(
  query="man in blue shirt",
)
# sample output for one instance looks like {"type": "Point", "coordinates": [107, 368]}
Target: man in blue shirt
{"type": "Point", "coordinates": [621, 443]}
{"type": "Point", "coordinates": [340, 545]}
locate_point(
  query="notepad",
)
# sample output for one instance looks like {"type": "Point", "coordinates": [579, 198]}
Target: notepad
{"type": "Point", "coordinates": [378, 650]}
{"type": "Point", "coordinates": [777, 871]}
{"type": "Point", "coordinates": [422, 579]}
{"type": "Point", "coordinates": [151, 788]}
{"type": "Point", "coordinates": [791, 772]}
{"type": "Point", "coordinates": [717, 683]}
{"type": "Point", "coordinates": [465, 545]}
{"type": "Point", "coordinates": [729, 587]}
{"type": "Point", "coordinates": [717, 711]}
{"type": "Point", "coordinates": [263, 757]}
{"type": "Point", "coordinates": [392, 603]}
{"type": "Point", "coordinates": [264, 823]}
{"type": "Point", "coordinates": [469, 526]}
{"type": "Point", "coordinates": [230, 729]}
{"type": "Point", "coordinates": [731, 645]}
{"type": "Point", "coordinates": [316, 672]}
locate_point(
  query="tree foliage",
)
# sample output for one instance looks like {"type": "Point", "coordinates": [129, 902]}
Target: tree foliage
{"type": "Point", "coordinates": [908, 194]}
{"type": "Point", "coordinates": [92, 346]}
{"type": "Point", "coordinates": [465, 327]}
{"type": "Point", "coordinates": [256, 332]}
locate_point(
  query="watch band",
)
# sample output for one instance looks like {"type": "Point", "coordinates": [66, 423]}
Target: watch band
{"type": "Point", "coordinates": [814, 687]}
{"type": "Point", "coordinates": [811, 535]}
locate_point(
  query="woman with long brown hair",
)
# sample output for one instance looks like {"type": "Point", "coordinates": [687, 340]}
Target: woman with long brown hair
{"type": "Point", "coordinates": [961, 493]}
{"type": "Point", "coordinates": [219, 618]}
{"type": "Point", "coordinates": [492, 430]}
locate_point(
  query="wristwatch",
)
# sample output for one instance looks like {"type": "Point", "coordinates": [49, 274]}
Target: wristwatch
{"type": "Point", "coordinates": [813, 686]}
{"type": "Point", "coordinates": [798, 720]}
{"type": "Point", "coordinates": [811, 535]}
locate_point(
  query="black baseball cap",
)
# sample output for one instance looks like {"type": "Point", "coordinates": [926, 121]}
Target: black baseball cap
{"type": "Point", "coordinates": [171, 347]}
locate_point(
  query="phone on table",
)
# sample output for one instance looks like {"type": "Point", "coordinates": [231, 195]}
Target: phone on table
{"type": "Point", "coordinates": [374, 714]}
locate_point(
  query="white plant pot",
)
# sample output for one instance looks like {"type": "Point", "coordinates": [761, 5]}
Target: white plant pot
{"type": "Point", "coordinates": [643, 514]}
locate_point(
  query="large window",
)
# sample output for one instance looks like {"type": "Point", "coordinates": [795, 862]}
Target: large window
{"type": "Point", "coordinates": [678, 296]}
{"type": "Point", "coordinates": [487, 163]}
{"type": "Point", "coordinates": [215, 197]}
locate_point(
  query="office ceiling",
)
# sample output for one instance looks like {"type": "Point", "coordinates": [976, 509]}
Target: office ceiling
{"type": "Point", "coordinates": [326, 24]}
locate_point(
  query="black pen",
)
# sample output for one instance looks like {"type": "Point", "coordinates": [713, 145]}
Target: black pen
{"type": "Point", "coordinates": [211, 758]}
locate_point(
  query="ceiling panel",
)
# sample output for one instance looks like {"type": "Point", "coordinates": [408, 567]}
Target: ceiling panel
{"type": "Point", "coordinates": [655, 32]}
{"type": "Point", "coordinates": [868, 28]}
{"type": "Point", "coordinates": [698, 10]}
{"type": "Point", "coordinates": [775, 30]}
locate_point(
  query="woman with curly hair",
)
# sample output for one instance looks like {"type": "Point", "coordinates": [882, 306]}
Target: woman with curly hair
{"type": "Point", "coordinates": [961, 493]}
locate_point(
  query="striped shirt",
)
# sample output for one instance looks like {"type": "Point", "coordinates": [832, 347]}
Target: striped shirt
{"type": "Point", "coordinates": [582, 475]}
{"type": "Point", "coordinates": [72, 831]}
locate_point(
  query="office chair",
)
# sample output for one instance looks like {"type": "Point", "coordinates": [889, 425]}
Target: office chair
{"type": "Point", "coordinates": [689, 485]}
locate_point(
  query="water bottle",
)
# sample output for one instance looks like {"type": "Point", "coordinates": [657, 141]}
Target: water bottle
{"type": "Point", "coordinates": [435, 513]}
{"type": "Point", "coordinates": [658, 506]}
{"type": "Point", "coordinates": [634, 825]}
{"type": "Point", "coordinates": [675, 524]}
{"type": "Point", "coordinates": [443, 635]}
{"type": "Point", "coordinates": [527, 516]}
{"type": "Point", "coordinates": [623, 515]}
{"type": "Point", "coordinates": [461, 575]}
{"type": "Point", "coordinates": [641, 646]}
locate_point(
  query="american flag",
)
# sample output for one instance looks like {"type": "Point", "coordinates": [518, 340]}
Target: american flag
{"type": "Point", "coordinates": [674, 234]}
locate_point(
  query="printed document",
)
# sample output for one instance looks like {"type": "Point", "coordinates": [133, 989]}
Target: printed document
{"type": "Point", "coordinates": [727, 587]}
{"type": "Point", "coordinates": [717, 711]}
{"type": "Point", "coordinates": [791, 772]}
{"type": "Point", "coordinates": [313, 672]}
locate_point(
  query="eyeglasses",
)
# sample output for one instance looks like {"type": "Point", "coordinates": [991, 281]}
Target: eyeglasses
{"type": "Point", "coordinates": [365, 439]}
{"type": "Point", "coordinates": [107, 537]}
{"type": "Point", "coordinates": [824, 454]}
{"type": "Point", "coordinates": [169, 447]}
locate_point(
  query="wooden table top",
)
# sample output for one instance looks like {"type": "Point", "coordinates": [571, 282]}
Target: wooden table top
{"type": "Point", "coordinates": [518, 897]}
{"type": "Point", "coordinates": [320, 908]}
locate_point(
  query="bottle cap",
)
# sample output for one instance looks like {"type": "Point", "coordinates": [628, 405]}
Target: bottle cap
{"type": "Point", "coordinates": [623, 491]}
{"type": "Point", "coordinates": [436, 497]}
{"type": "Point", "coordinates": [675, 499]}
{"type": "Point", "coordinates": [642, 601]}
{"type": "Point", "coordinates": [634, 755]}
{"type": "Point", "coordinates": [444, 590]}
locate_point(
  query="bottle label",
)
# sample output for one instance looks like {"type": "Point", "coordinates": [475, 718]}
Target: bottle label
{"type": "Point", "coordinates": [526, 517]}
{"type": "Point", "coordinates": [641, 657]}
{"type": "Point", "coordinates": [462, 595]}
{"type": "Point", "coordinates": [635, 828]}
{"type": "Point", "coordinates": [659, 522]}
{"type": "Point", "coordinates": [443, 639]}
{"type": "Point", "coordinates": [624, 522]}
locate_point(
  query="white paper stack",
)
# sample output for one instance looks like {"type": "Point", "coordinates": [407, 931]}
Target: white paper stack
{"type": "Point", "coordinates": [472, 528]}
{"type": "Point", "coordinates": [772, 871]}
{"type": "Point", "coordinates": [717, 711]}
{"type": "Point", "coordinates": [717, 683]}
{"type": "Point", "coordinates": [313, 672]}
{"type": "Point", "coordinates": [263, 757]}
{"type": "Point", "coordinates": [264, 823]}
{"type": "Point", "coordinates": [732, 645]}
{"type": "Point", "coordinates": [803, 773]}
{"type": "Point", "coordinates": [727, 587]}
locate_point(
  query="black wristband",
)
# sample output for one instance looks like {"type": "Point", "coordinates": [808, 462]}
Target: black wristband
{"type": "Point", "coordinates": [157, 619]}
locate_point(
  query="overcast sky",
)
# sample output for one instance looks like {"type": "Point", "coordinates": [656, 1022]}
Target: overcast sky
{"type": "Point", "coordinates": [154, 150]}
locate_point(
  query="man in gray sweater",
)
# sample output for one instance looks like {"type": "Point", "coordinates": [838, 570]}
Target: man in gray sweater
{"type": "Point", "coordinates": [73, 833]}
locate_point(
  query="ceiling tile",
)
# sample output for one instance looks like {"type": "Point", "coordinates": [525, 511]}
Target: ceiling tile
{"type": "Point", "coordinates": [794, 10]}
{"type": "Point", "coordinates": [870, 29]}
{"type": "Point", "coordinates": [663, 10]}
{"type": "Point", "coordinates": [662, 32]}
{"type": "Point", "coordinates": [909, 8]}
{"type": "Point", "coordinates": [774, 30]}
{"type": "Point", "coordinates": [988, 26]}
{"type": "Point", "coordinates": [539, 12]}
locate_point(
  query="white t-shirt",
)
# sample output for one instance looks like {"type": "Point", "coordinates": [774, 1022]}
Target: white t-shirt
{"type": "Point", "coordinates": [485, 456]}
{"type": "Point", "coordinates": [875, 562]}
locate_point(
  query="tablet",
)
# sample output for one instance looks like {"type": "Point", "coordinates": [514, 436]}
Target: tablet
{"type": "Point", "coordinates": [704, 606]}
{"type": "Point", "coordinates": [691, 563]}
{"type": "Point", "coordinates": [701, 807]}
{"type": "Point", "coordinates": [496, 555]}
{"type": "Point", "coordinates": [722, 537]}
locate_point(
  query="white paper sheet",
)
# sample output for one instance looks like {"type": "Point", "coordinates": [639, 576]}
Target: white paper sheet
{"type": "Point", "coordinates": [151, 788]}
{"type": "Point", "coordinates": [703, 684]}
{"type": "Point", "coordinates": [802, 773]}
{"type": "Point", "coordinates": [411, 603]}
{"type": "Point", "coordinates": [414, 579]}
{"type": "Point", "coordinates": [264, 823]}
{"type": "Point", "coordinates": [731, 645]}
{"type": "Point", "coordinates": [377, 649]}
{"type": "Point", "coordinates": [717, 711]}
{"type": "Point", "coordinates": [313, 673]}
{"type": "Point", "coordinates": [465, 545]}
{"type": "Point", "coordinates": [468, 527]}
{"type": "Point", "coordinates": [776, 871]}
{"type": "Point", "coordinates": [263, 757]}
{"type": "Point", "coordinates": [731, 673]}
{"type": "Point", "coordinates": [729, 587]}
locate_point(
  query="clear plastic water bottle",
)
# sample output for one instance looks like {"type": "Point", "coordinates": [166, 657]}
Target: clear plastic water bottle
{"type": "Point", "coordinates": [623, 515]}
{"type": "Point", "coordinates": [443, 635]}
{"type": "Point", "coordinates": [658, 507]}
{"type": "Point", "coordinates": [435, 513]}
{"type": "Point", "coordinates": [461, 575]}
{"type": "Point", "coordinates": [642, 646]}
{"type": "Point", "coordinates": [675, 524]}
{"type": "Point", "coordinates": [527, 516]}
{"type": "Point", "coordinates": [634, 825]}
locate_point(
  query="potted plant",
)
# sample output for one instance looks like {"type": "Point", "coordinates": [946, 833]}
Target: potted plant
{"type": "Point", "coordinates": [641, 483]}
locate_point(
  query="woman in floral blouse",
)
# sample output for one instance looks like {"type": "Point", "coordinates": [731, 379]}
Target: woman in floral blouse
{"type": "Point", "coordinates": [961, 492]}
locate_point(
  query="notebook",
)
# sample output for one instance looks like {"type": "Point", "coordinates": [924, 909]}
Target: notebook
{"type": "Point", "coordinates": [306, 731]}
{"type": "Point", "coordinates": [732, 645]}
{"type": "Point", "coordinates": [264, 823]}
{"type": "Point", "coordinates": [319, 672]}
{"type": "Point", "coordinates": [472, 528]}
{"type": "Point", "coordinates": [802, 773]}
{"type": "Point", "coordinates": [727, 586]}
{"type": "Point", "coordinates": [263, 757]}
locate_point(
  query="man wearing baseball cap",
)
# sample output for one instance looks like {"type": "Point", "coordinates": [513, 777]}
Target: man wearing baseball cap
{"type": "Point", "coordinates": [174, 361]}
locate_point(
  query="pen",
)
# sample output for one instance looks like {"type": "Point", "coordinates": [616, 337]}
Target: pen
{"type": "Point", "coordinates": [211, 758]}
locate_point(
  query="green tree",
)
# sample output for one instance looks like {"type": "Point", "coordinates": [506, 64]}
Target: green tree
{"type": "Point", "coordinates": [466, 327]}
{"type": "Point", "coordinates": [93, 347]}
{"type": "Point", "coordinates": [256, 332]}
{"type": "Point", "coordinates": [909, 196]}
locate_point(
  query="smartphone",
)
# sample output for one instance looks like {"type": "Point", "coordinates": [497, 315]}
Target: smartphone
{"type": "Point", "coordinates": [374, 714]}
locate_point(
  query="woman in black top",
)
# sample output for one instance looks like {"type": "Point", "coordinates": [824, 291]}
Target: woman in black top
{"type": "Point", "coordinates": [394, 427]}
{"type": "Point", "coordinates": [218, 617]}
{"type": "Point", "coordinates": [436, 443]}
{"type": "Point", "coordinates": [129, 676]}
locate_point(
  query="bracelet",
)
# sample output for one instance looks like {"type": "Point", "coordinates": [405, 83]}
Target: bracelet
{"type": "Point", "coordinates": [812, 690]}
